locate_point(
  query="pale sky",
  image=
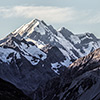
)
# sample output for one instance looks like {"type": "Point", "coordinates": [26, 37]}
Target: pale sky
{"type": "Point", "coordinates": [79, 16]}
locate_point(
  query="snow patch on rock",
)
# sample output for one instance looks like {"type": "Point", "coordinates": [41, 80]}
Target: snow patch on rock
{"type": "Point", "coordinates": [4, 54]}
{"type": "Point", "coordinates": [55, 67]}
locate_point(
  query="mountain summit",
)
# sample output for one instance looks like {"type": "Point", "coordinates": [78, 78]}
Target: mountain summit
{"type": "Point", "coordinates": [72, 46]}
{"type": "Point", "coordinates": [35, 58]}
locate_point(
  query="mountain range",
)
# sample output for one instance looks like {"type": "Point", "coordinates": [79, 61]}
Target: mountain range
{"type": "Point", "coordinates": [50, 64]}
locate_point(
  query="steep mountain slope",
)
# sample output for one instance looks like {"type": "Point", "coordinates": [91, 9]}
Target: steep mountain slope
{"type": "Point", "coordinates": [26, 66]}
{"type": "Point", "coordinates": [89, 62]}
{"type": "Point", "coordinates": [81, 81]}
{"type": "Point", "coordinates": [85, 74]}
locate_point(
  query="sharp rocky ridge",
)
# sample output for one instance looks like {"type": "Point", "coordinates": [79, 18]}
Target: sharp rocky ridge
{"type": "Point", "coordinates": [35, 58]}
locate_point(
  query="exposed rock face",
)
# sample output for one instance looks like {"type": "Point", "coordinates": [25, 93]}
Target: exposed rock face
{"type": "Point", "coordinates": [27, 67]}
{"type": "Point", "coordinates": [35, 58]}
{"type": "Point", "coordinates": [81, 81]}
{"type": "Point", "coordinates": [87, 63]}
{"type": "Point", "coordinates": [85, 74]}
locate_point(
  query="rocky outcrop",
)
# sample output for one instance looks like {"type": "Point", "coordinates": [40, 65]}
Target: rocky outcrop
{"type": "Point", "coordinates": [81, 81]}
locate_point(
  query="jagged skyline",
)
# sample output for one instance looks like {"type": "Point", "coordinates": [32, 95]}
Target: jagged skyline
{"type": "Point", "coordinates": [77, 16]}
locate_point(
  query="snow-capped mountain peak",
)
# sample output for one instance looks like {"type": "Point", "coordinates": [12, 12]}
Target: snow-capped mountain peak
{"type": "Point", "coordinates": [35, 58]}
{"type": "Point", "coordinates": [72, 46]}
{"type": "Point", "coordinates": [34, 25]}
